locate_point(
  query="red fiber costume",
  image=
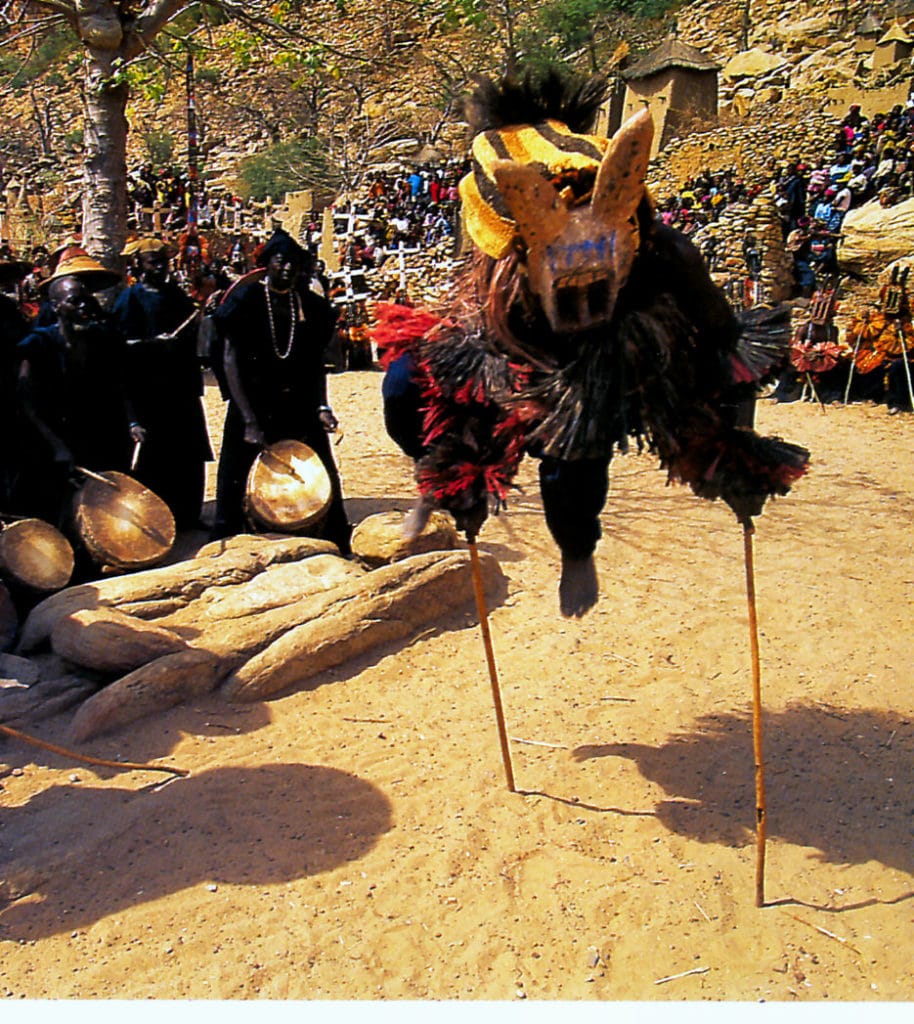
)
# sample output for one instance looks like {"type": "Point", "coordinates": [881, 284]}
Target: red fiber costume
{"type": "Point", "coordinates": [581, 324]}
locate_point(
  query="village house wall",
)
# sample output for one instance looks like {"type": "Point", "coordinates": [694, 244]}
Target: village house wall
{"type": "Point", "coordinates": [675, 98]}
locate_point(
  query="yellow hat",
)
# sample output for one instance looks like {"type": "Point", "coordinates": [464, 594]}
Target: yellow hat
{"type": "Point", "coordinates": [76, 262]}
{"type": "Point", "coordinates": [550, 144]}
{"type": "Point", "coordinates": [141, 245]}
{"type": "Point", "coordinates": [67, 243]}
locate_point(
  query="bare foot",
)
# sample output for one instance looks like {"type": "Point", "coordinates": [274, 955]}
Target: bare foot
{"type": "Point", "coordinates": [417, 519]}
{"type": "Point", "coordinates": [578, 588]}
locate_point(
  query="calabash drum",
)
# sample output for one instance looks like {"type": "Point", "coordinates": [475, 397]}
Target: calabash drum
{"type": "Point", "coordinates": [36, 554]}
{"type": "Point", "coordinates": [122, 523]}
{"type": "Point", "coordinates": [288, 488]}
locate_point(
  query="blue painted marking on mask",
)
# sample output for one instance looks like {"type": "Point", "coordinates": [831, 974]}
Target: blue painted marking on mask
{"type": "Point", "coordinates": [561, 256]}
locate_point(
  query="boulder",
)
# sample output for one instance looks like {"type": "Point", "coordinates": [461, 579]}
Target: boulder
{"type": "Point", "coordinates": [391, 604]}
{"type": "Point", "coordinates": [107, 640]}
{"type": "Point", "coordinates": [21, 704]}
{"type": "Point", "coordinates": [770, 95]}
{"type": "Point", "coordinates": [874, 236]}
{"type": "Point", "coordinates": [20, 670]}
{"type": "Point", "coordinates": [160, 684]}
{"type": "Point", "coordinates": [378, 539]}
{"type": "Point", "coordinates": [157, 592]}
{"type": "Point", "coordinates": [751, 64]}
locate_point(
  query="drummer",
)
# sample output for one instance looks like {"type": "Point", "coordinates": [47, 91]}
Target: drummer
{"type": "Point", "coordinates": [13, 328]}
{"type": "Point", "coordinates": [165, 382]}
{"type": "Point", "coordinates": [276, 331]}
{"type": "Point", "coordinates": [71, 392]}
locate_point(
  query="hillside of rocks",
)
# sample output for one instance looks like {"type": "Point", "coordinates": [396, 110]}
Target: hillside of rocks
{"type": "Point", "coordinates": [390, 81]}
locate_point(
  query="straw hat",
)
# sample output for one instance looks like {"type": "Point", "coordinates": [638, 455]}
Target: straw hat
{"type": "Point", "coordinates": [137, 246]}
{"type": "Point", "coordinates": [76, 262]}
{"type": "Point", "coordinates": [67, 243]}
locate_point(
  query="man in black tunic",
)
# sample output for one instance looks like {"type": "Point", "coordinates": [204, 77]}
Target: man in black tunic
{"type": "Point", "coordinates": [165, 384]}
{"type": "Point", "coordinates": [13, 328]}
{"type": "Point", "coordinates": [71, 393]}
{"type": "Point", "coordinates": [275, 331]}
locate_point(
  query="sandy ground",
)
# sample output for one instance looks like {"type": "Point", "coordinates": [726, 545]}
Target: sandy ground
{"type": "Point", "coordinates": [356, 839]}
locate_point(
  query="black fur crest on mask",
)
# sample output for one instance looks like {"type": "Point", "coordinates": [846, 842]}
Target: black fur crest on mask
{"type": "Point", "coordinates": [553, 94]}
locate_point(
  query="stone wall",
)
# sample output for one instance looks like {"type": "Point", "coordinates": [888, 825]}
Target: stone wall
{"type": "Point", "coordinates": [752, 148]}
{"type": "Point", "coordinates": [727, 237]}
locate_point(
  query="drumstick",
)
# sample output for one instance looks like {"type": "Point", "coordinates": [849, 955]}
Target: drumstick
{"type": "Point", "coordinates": [287, 466]}
{"type": "Point", "coordinates": [96, 476]}
{"type": "Point", "coordinates": [137, 445]}
{"type": "Point", "coordinates": [103, 763]}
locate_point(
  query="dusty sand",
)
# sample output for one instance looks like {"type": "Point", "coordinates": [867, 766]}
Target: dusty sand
{"type": "Point", "coordinates": [356, 839]}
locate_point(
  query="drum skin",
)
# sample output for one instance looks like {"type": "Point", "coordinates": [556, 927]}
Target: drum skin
{"type": "Point", "coordinates": [126, 526]}
{"type": "Point", "coordinates": [288, 488]}
{"type": "Point", "coordinates": [36, 554]}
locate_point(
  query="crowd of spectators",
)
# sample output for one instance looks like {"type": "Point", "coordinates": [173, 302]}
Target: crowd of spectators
{"type": "Point", "coordinates": [869, 159]}
{"type": "Point", "coordinates": [413, 209]}
{"type": "Point", "coordinates": [159, 200]}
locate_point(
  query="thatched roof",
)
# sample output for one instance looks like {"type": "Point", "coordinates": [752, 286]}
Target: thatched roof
{"type": "Point", "coordinates": [870, 26]}
{"type": "Point", "coordinates": [896, 34]}
{"type": "Point", "coordinates": [671, 53]}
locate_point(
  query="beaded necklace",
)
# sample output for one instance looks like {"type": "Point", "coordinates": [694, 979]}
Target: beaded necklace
{"type": "Point", "coordinates": [293, 320]}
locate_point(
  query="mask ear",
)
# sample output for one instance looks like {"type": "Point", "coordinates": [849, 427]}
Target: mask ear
{"type": "Point", "coordinates": [620, 179]}
{"type": "Point", "coordinates": [538, 210]}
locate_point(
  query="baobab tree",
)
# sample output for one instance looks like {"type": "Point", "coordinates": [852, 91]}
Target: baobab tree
{"type": "Point", "coordinates": [113, 34]}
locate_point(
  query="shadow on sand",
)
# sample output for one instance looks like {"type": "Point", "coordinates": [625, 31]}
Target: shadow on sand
{"type": "Point", "coordinates": [839, 781]}
{"type": "Point", "coordinates": [239, 826]}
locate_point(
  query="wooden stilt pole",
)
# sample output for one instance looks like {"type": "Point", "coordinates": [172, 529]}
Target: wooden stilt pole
{"type": "Point", "coordinates": [907, 368]}
{"type": "Point", "coordinates": [760, 805]}
{"type": "Point", "coordinates": [850, 373]}
{"type": "Point", "coordinates": [815, 394]}
{"type": "Point", "coordinates": [490, 659]}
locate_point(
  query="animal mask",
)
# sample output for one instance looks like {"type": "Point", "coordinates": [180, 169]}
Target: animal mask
{"type": "Point", "coordinates": [579, 254]}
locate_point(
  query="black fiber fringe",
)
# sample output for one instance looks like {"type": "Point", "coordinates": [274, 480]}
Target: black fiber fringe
{"type": "Point", "coordinates": [751, 469]}
{"type": "Point", "coordinates": [463, 367]}
{"type": "Point", "coordinates": [537, 96]}
{"type": "Point", "coordinates": [765, 339]}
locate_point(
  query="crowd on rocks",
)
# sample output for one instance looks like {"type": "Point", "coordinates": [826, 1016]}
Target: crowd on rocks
{"type": "Point", "coordinates": [160, 200]}
{"type": "Point", "coordinates": [868, 160]}
{"type": "Point", "coordinates": [417, 209]}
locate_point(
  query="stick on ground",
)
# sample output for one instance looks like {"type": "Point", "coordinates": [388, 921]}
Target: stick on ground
{"type": "Point", "coordinates": [101, 762]}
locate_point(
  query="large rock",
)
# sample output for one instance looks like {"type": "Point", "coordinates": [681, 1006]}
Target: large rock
{"type": "Point", "coordinates": [875, 236]}
{"type": "Point", "coordinates": [802, 33]}
{"type": "Point", "coordinates": [160, 684]}
{"type": "Point", "coordinates": [20, 670]}
{"type": "Point", "coordinates": [107, 640]}
{"type": "Point", "coordinates": [21, 704]}
{"type": "Point", "coordinates": [751, 64]}
{"type": "Point", "coordinates": [378, 539]}
{"type": "Point", "coordinates": [387, 606]}
{"type": "Point", "coordinates": [157, 592]}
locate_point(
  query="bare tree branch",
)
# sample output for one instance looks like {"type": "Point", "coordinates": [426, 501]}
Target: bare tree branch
{"type": "Point", "coordinates": [36, 28]}
{"type": "Point", "coordinates": [24, 8]}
